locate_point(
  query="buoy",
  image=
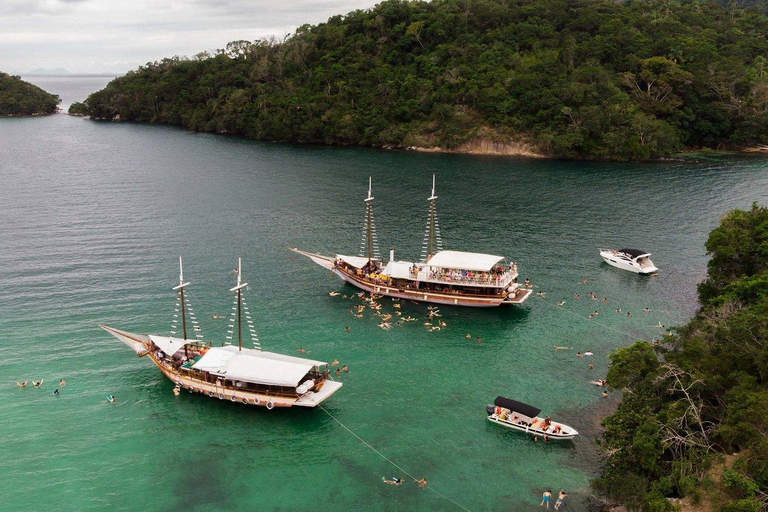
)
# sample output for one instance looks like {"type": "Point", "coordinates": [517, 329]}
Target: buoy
{"type": "Point", "coordinates": [270, 405]}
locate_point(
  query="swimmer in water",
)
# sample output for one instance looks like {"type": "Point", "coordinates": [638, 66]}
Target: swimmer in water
{"type": "Point", "coordinates": [301, 351]}
{"type": "Point", "coordinates": [338, 371]}
{"type": "Point", "coordinates": [561, 303]}
{"type": "Point", "coordinates": [335, 362]}
{"type": "Point", "coordinates": [595, 313]}
{"type": "Point", "coordinates": [62, 383]}
{"type": "Point", "coordinates": [56, 392]}
{"type": "Point", "coordinates": [111, 399]}
{"type": "Point", "coordinates": [591, 366]}
{"type": "Point", "coordinates": [605, 394]}
{"type": "Point", "coordinates": [629, 314]}
{"type": "Point", "coordinates": [588, 353]}
{"type": "Point", "coordinates": [393, 481]}
{"type": "Point", "coordinates": [21, 384]}
{"type": "Point", "coordinates": [618, 310]}
{"type": "Point", "coordinates": [346, 329]}
{"type": "Point", "coordinates": [176, 390]}
{"type": "Point", "coordinates": [479, 339]}
{"type": "Point", "coordinates": [562, 348]}
{"type": "Point", "coordinates": [422, 482]}
{"type": "Point", "coordinates": [590, 317]}
{"type": "Point", "coordinates": [345, 369]}
{"type": "Point", "coordinates": [585, 281]}
{"type": "Point", "coordinates": [38, 384]}
{"type": "Point", "coordinates": [605, 299]}
{"type": "Point", "coordinates": [468, 336]}
{"type": "Point", "coordinates": [576, 296]}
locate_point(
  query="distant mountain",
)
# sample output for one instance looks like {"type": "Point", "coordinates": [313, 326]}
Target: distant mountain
{"type": "Point", "coordinates": [41, 71]}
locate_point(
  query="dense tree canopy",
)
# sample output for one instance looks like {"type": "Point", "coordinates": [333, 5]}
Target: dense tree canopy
{"type": "Point", "coordinates": [702, 392]}
{"type": "Point", "coordinates": [20, 98]}
{"type": "Point", "coordinates": [576, 78]}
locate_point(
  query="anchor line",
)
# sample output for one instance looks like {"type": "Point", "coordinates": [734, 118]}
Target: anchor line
{"type": "Point", "coordinates": [388, 459]}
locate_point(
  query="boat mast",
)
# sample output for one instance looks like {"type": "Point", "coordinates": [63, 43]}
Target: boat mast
{"type": "Point", "coordinates": [432, 241]}
{"type": "Point", "coordinates": [180, 287]}
{"type": "Point", "coordinates": [369, 246]}
{"type": "Point", "coordinates": [239, 290]}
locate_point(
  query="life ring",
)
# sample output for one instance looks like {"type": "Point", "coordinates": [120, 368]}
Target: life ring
{"type": "Point", "coordinates": [245, 400]}
{"type": "Point", "coordinates": [270, 405]}
{"type": "Point", "coordinates": [232, 398]}
{"type": "Point", "coordinates": [256, 401]}
{"type": "Point", "coordinates": [221, 396]}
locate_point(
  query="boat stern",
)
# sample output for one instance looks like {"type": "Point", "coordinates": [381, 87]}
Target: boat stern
{"type": "Point", "coordinates": [314, 398]}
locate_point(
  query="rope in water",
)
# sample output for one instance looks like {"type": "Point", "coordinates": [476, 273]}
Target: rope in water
{"type": "Point", "coordinates": [389, 460]}
{"type": "Point", "coordinates": [623, 333]}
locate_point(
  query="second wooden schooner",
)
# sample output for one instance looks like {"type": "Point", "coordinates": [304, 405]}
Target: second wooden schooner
{"type": "Point", "coordinates": [441, 277]}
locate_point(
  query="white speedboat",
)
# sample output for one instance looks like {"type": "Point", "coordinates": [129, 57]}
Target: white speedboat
{"type": "Point", "coordinates": [525, 418]}
{"type": "Point", "coordinates": [633, 260]}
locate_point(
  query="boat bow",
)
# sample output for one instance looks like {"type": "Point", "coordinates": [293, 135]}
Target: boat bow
{"type": "Point", "coordinates": [137, 342]}
{"type": "Point", "coordinates": [323, 261]}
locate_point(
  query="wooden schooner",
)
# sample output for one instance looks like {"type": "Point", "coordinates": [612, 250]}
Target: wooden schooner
{"type": "Point", "coordinates": [228, 372]}
{"type": "Point", "coordinates": [441, 277]}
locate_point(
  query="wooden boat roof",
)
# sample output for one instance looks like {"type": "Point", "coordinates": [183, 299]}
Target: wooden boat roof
{"type": "Point", "coordinates": [464, 260]}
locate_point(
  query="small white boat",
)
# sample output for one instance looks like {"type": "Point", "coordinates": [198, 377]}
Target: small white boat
{"type": "Point", "coordinates": [633, 260]}
{"type": "Point", "coordinates": [525, 418]}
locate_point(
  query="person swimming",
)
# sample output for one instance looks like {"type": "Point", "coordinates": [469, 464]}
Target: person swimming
{"type": "Point", "coordinates": [56, 392]}
{"type": "Point", "coordinates": [561, 303]}
{"type": "Point", "coordinates": [345, 369]}
{"type": "Point", "coordinates": [393, 481]}
{"type": "Point", "coordinates": [21, 384]}
{"type": "Point", "coordinates": [468, 336]}
{"type": "Point", "coordinates": [62, 383]}
{"type": "Point", "coordinates": [176, 390]}
{"type": "Point", "coordinates": [301, 351]}
{"type": "Point", "coordinates": [38, 384]}
{"type": "Point", "coordinates": [422, 482]}
{"type": "Point", "coordinates": [335, 362]}
{"type": "Point", "coordinates": [588, 353]}
{"type": "Point", "coordinates": [111, 399]}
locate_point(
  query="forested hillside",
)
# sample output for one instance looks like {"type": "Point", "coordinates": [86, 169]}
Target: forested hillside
{"type": "Point", "coordinates": [574, 78]}
{"type": "Point", "coordinates": [702, 393]}
{"type": "Point", "coordinates": [20, 98]}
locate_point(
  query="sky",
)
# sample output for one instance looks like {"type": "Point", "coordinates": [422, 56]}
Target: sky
{"type": "Point", "coordinates": [115, 36]}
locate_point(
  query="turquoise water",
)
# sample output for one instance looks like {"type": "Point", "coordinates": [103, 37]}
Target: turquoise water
{"type": "Point", "coordinates": [95, 215]}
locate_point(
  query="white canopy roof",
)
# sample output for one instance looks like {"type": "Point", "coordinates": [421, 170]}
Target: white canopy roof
{"type": "Point", "coordinates": [464, 260]}
{"type": "Point", "coordinates": [398, 269]}
{"type": "Point", "coordinates": [256, 366]}
{"type": "Point", "coordinates": [355, 261]}
{"type": "Point", "coordinates": [169, 345]}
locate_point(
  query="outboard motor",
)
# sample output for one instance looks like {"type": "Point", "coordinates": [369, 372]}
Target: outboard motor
{"type": "Point", "coordinates": [489, 409]}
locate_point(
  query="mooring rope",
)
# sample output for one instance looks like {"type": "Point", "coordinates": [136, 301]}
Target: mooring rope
{"type": "Point", "coordinates": [388, 459]}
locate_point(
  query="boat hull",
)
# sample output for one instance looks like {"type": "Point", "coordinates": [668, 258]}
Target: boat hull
{"type": "Point", "coordinates": [623, 265]}
{"type": "Point", "coordinates": [572, 433]}
{"type": "Point", "coordinates": [480, 301]}
{"type": "Point", "coordinates": [213, 390]}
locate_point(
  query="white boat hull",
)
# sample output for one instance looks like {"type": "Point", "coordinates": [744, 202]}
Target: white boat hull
{"type": "Point", "coordinates": [566, 433]}
{"type": "Point", "coordinates": [630, 266]}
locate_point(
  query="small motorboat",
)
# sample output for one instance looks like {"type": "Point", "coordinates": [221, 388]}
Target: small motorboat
{"type": "Point", "coordinates": [633, 260]}
{"type": "Point", "coordinates": [525, 418]}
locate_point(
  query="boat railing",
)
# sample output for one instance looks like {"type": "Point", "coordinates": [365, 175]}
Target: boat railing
{"type": "Point", "coordinates": [489, 280]}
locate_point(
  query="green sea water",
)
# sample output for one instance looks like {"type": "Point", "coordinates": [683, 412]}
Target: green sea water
{"type": "Point", "coordinates": [94, 216]}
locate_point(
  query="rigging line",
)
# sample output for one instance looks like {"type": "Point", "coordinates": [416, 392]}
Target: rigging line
{"type": "Point", "coordinates": [387, 459]}
{"type": "Point", "coordinates": [580, 316]}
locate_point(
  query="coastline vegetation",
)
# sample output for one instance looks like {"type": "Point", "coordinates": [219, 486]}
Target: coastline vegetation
{"type": "Point", "coordinates": [592, 79]}
{"type": "Point", "coordinates": [702, 393]}
{"type": "Point", "coordinates": [20, 98]}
